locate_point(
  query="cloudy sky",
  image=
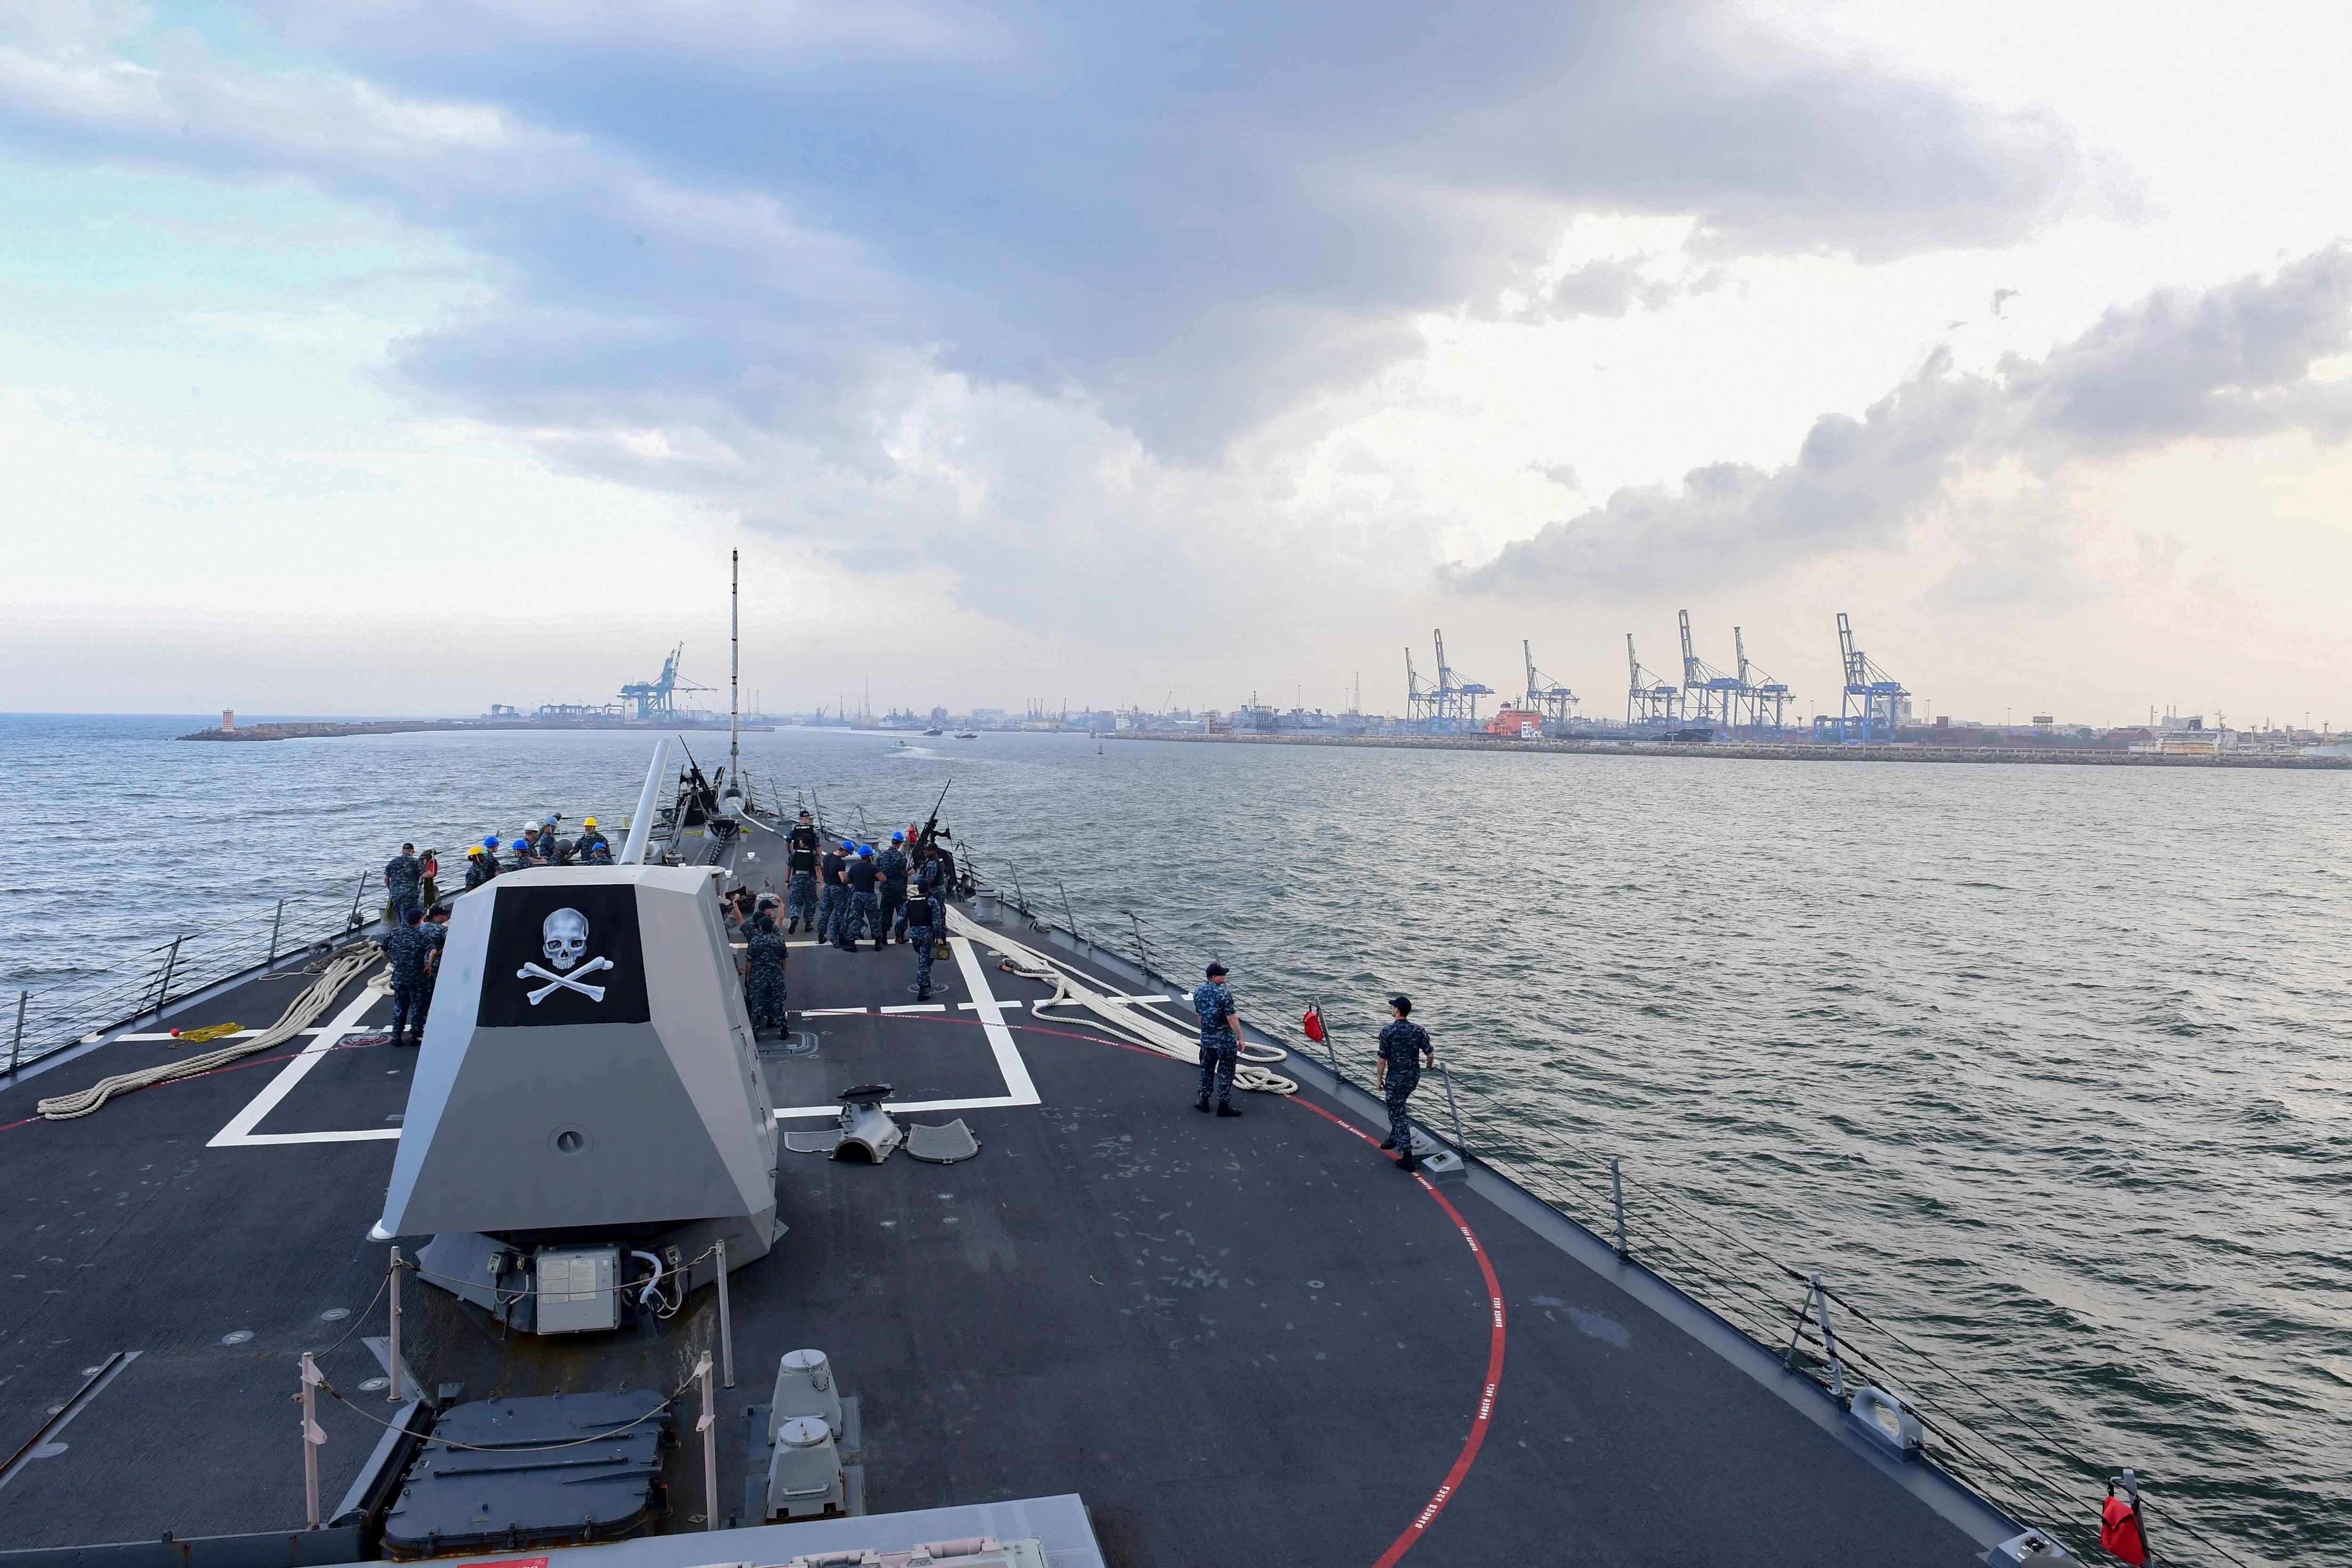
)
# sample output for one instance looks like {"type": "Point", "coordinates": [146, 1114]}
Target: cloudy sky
{"type": "Point", "coordinates": [397, 357]}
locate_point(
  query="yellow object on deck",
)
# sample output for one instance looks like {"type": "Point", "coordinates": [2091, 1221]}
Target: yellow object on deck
{"type": "Point", "coordinates": [209, 1032]}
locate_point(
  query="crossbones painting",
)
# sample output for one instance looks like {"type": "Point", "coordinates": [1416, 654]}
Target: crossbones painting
{"type": "Point", "coordinates": [564, 940]}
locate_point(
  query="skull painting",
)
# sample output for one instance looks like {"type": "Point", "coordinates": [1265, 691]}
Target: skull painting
{"type": "Point", "coordinates": [564, 937]}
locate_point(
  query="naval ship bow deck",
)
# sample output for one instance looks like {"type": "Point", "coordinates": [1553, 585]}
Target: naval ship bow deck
{"type": "Point", "coordinates": [1238, 1341]}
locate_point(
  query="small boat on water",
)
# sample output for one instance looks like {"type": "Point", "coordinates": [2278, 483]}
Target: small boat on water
{"type": "Point", "coordinates": [934, 730]}
{"type": "Point", "coordinates": [966, 734]}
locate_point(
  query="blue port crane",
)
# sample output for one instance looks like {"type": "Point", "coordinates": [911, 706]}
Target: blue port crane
{"type": "Point", "coordinates": [1872, 699]}
{"type": "Point", "coordinates": [1709, 696]}
{"type": "Point", "coordinates": [1416, 700]}
{"type": "Point", "coordinates": [1758, 689]}
{"type": "Point", "coordinates": [1455, 702]}
{"type": "Point", "coordinates": [1545, 696]}
{"type": "Point", "coordinates": [650, 702]}
{"type": "Point", "coordinates": [1648, 699]}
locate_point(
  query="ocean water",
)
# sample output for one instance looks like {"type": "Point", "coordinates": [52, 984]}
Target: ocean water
{"type": "Point", "coordinates": [2048, 1070]}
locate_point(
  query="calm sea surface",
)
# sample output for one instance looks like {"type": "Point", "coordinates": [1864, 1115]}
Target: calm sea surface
{"type": "Point", "coordinates": [2048, 1069]}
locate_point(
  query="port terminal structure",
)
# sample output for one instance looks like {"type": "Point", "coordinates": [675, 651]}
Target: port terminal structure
{"type": "Point", "coordinates": [1707, 701]}
{"type": "Point", "coordinates": [1874, 704]}
{"type": "Point", "coordinates": [1449, 708]}
{"type": "Point", "coordinates": [1707, 704]}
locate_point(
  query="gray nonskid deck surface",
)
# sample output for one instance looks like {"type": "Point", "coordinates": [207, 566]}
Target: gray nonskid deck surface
{"type": "Point", "coordinates": [1239, 1341]}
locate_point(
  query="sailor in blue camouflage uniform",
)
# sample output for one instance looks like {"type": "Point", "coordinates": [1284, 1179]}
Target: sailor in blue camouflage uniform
{"type": "Point", "coordinates": [833, 893]}
{"type": "Point", "coordinates": [927, 922]}
{"type": "Point", "coordinates": [402, 874]}
{"type": "Point", "coordinates": [890, 895]}
{"type": "Point", "coordinates": [408, 949]}
{"type": "Point", "coordinates": [1405, 1050]}
{"type": "Point", "coordinates": [435, 931]}
{"type": "Point", "coordinates": [864, 912]}
{"type": "Point", "coordinates": [481, 862]}
{"type": "Point", "coordinates": [800, 893]}
{"type": "Point", "coordinates": [1221, 1045]}
{"type": "Point", "coordinates": [764, 979]}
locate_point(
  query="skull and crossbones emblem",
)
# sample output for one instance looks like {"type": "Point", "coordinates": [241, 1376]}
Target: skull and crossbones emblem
{"type": "Point", "coordinates": [564, 940]}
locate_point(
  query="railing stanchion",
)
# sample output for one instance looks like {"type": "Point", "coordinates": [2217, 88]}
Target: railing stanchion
{"type": "Point", "coordinates": [1445, 1076]}
{"type": "Point", "coordinates": [1617, 1202]}
{"type": "Point", "coordinates": [353, 922]}
{"type": "Point", "coordinates": [312, 1436]}
{"type": "Point", "coordinates": [1829, 1339]}
{"type": "Point", "coordinates": [276, 922]}
{"type": "Point", "coordinates": [164, 981]}
{"type": "Point", "coordinates": [1329, 1050]}
{"type": "Point", "coordinates": [709, 1427]}
{"type": "Point", "coordinates": [17, 1046]}
{"type": "Point", "coordinates": [391, 1370]}
{"type": "Point", "coordinates": [1066, 914]}
{"type": "Point", "coordinates": [726, 1318]}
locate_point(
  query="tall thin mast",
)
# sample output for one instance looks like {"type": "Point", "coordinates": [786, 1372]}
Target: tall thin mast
{"type": "Point", "coordinates": [734, 667]}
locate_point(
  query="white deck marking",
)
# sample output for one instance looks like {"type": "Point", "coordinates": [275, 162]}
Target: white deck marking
{"type": "Point", "coordinates": [1020, 1089]}
{"type": "Point", "coordinates": [835, 1012]}
{"type": "Point", "coordinates": [917, 1007]}
{"type": "Point", "coordinates": [240, 1134]}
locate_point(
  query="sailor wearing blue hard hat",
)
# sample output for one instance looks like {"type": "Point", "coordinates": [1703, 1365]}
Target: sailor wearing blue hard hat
{"type": "Point", "coordinates": [864, 913]}
{"type": "Point", "coordinates": [891, 896]}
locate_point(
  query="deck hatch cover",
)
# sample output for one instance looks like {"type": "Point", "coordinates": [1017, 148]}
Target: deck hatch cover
{"type": "Point", "coordinates": [513, 1486]}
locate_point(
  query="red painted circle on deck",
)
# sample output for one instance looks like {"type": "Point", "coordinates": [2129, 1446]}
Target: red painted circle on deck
{"type": "Point", "coordinates": [1495, 1336]}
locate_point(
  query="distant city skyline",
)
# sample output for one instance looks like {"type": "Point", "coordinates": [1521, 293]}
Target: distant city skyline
{"type": "Point", "coordinates": [396, 359]}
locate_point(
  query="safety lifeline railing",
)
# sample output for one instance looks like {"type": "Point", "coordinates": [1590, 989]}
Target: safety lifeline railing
{"type": "Point", "coordinates": [143, 985]}
{"type": "Point", "coordinates": [1814, 1322]}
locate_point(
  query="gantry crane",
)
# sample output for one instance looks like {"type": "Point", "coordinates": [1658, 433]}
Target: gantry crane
{"type": "Point", "coordinates": [1648, 699]}
{"type": "Point", "coordinates": [1759, 690]}
{"type": "Point", "coordinates": [1556, 702]}
{"type": "Point", "coordinates": [1455, 702]}
{"type": "Point", "coordinates": [1709, 696]}
{"type": "Point", "coordinates": [1872, 702]}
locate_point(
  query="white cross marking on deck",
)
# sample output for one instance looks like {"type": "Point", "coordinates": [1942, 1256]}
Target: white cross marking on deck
{"type": "Point", "coordinates": [239, 1134]}
{"type": "Point", "coordinates": [1019, 1088]}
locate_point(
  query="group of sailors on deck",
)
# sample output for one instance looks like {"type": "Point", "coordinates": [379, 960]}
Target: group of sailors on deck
{"type": "Point", "coordinates": [539, 845]}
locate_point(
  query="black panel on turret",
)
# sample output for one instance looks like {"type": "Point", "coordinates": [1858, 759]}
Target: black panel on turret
{"type": "Point", "coordinates": [563, 955]}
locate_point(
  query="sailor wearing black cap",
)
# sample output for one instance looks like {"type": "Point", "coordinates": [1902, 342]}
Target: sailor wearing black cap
{"type": "Point", "coordinates": [1221, 1045]}
{"type": "Point", "coordinates": [1405, 1050]}
{"type": "Point", "coordinates": [408, 948]}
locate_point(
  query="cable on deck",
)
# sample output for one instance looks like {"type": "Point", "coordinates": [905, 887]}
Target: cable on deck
{"type": "Point", "coordinates": [305, 1009]}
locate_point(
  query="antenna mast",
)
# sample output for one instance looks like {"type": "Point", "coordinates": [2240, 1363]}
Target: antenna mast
{"type": "Point", "coordinates": [734, 665]}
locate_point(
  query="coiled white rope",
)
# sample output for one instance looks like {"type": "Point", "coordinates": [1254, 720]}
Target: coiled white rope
{"type": "Point", "coordinates": [1126, 1020]}
{"type": "Point", "coordinates": [315, 999]}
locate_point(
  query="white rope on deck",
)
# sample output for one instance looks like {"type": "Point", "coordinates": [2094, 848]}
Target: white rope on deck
{"type": "Point", "coordinates": [315, 999]}
{"type": "Point", "coordinates": [1132, 1023]}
